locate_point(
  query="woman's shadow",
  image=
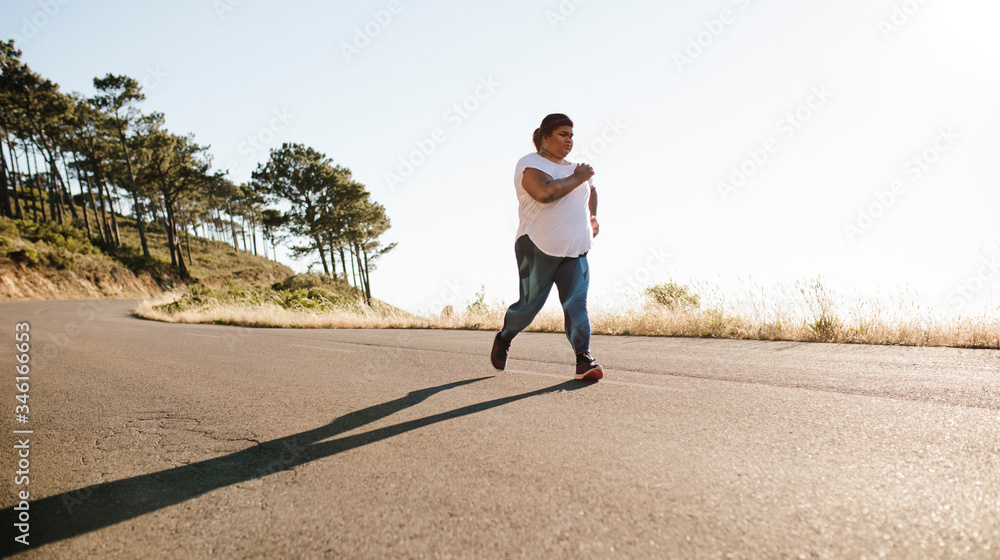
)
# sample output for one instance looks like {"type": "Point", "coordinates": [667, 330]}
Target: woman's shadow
{"type": "Point", "coordinates": [75, 513]}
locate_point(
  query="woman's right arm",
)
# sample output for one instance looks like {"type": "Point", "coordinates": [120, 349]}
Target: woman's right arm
{"type": "Point", "coordinates": [543, 188]}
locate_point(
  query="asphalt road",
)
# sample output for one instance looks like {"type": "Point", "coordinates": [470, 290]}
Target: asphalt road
{"type": "Point", "coordinates": [153, 440]}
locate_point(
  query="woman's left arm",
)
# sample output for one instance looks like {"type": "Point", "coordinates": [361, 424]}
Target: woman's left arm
{"type": "Point", "coordinates": [593, 210]}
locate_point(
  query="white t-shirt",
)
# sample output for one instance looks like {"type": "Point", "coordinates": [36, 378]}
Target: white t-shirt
{"type": "Point", "coordinates": [561, 228]}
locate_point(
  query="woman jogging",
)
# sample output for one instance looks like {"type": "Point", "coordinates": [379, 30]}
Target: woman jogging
{"type": "Point", "coordinates": [557, 213]}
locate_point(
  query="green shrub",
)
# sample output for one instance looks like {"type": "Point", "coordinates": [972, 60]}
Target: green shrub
{"type": "Point", "coordinates": [826, 328]}
{"type": "Point", "coordinates": [8, 228]}
{"type": "Point", "coordinates": [326, 296]}
{"type": "Point", "coordinates": [771, 331]}
{"type": "Point", "coordinates": [27, 255]}
{"type": "Point", "coordinates": [479, 305]}
{"type": "Point", "coordinates": [673, 296]}
{"type": "Point", "coordinates": [304, 281]}
{"type": "Point", "coordinates": [715, 324]}
{"type": "Point", "coordinates": [60, 259]}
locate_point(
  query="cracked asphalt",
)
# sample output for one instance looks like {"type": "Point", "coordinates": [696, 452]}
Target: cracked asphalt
{"type": "Point", "coordinates": [153, 440]}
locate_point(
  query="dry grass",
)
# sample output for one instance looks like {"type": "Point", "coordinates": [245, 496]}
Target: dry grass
{"type": "Point", "coordinates": [808, 312]}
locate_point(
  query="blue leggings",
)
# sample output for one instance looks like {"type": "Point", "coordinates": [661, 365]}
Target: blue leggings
{"type": "Point", "coordinates": [538, 272]}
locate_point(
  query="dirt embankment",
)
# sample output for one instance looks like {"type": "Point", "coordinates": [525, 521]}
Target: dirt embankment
{"type": "Point", "coordinates": [20, 282]}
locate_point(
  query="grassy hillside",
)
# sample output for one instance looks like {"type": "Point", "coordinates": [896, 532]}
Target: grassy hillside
{"type": "Point", "coordinates": [213, 262]}
{"type": "Point", "coordinates": [51, 261]}
{"type": "Point", "coordinates": [48, 261]}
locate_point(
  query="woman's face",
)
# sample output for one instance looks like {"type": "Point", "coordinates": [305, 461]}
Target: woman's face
{"type": "Point", "coordinates": [560, 142]}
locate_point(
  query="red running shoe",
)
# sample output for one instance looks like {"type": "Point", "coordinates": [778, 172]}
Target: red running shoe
{"type": "Point", "coordinates": [587, 368]}
{"type": "Point", "coordinates": [498, 356]}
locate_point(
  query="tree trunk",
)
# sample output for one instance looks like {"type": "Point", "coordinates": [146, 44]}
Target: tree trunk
{"type": "Point", "coordinates": [322, 253]}
{"type": "Point", "coordinates": [52, 199]}
{"type": "Point", "coordinates": [333, 256]}
{"type": "Point", "coordinates": [93, 204]}
{"type": "Point", "coordinates": [66, 190]}
{"type": "Point", "coordinates": [79, 181]}
{"type": "Point", "coordinates": [356, 252]}
{"type": "Point", "coordinates": [187, 239]}
{"type": "Point", "coordinates": [99, 180]}
{"type": "Point", "coordinates": [38, 203]}
{"type": "Point", "coordinates": [5, 205]}
{"type": "Point", "coordinates": [343, 261]}
{"type": "Point", "coordinates": [137, 207]}
{"type": "Point", "coordinates": [172, 239]}
{"type": "Point", "coordinates": [140, 221]}
{"type": "Point", "coordinates": [20, 180]}
{"type": "Point", "coordinates": [253, 231]}
{"type": "Point", "coordinates": [56, 185]}
{"type": "Point", "coordinates": [232, 225]}
{"type": "Point", "coordinates": [368, 282]}
{"type": "Point", "coordinates": [96, 176]}
{"type": "Point", "coordinates": [354, 273]}
{"type": "Point", "coordinates": [6, 202]}
{"type": "Point", "coordinates": [15, 179]}
{"type": "Point", "coordinates": [114, 219]}
{"type": "Point", "coordinates": [243, 234]}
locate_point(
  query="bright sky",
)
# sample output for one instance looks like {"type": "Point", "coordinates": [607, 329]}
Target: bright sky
{"type": "Point", "coordinates": [770, 140]}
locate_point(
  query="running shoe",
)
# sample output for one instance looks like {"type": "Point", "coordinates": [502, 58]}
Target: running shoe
{"type": "Point", "coordinates": [587, 368]}
{"type": "Point", "coordinates": [499, 353]}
